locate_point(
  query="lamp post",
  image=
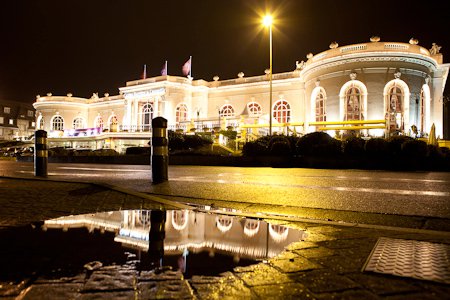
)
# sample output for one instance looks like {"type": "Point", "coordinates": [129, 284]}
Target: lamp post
{"type": "Point", "coordinates": [267, 21]}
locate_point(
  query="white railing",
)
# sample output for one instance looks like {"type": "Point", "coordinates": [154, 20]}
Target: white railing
{"type": "Point", "coordinates": [354, 48]}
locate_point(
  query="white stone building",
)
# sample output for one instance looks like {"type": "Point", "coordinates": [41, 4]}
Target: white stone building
{"type": "Point", "coordinates": [374, 88]}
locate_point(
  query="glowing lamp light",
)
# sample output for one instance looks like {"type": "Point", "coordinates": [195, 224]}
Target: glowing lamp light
{"type": "Point", "coordinates": [267, 20]}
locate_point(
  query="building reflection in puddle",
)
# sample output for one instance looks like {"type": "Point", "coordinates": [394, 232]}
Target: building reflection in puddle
{"type": "Point", "coordinates": [183, 233]}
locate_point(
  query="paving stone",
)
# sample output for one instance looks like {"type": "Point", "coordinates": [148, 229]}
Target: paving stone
{"type": "Point", "coordinates": [52, 291]}
{"type": "Point", "coordinates": [383, 285]}
{"type": "Point", "coordinates": [294, 265]}
{"type": "Point", "coordinates": [206, 279]}
{"type": "Point", "coordinates": [155, 276]}
{"type": "Point", "coordinates": [301, 245]}
{"type": "Point", "coordinates": [348, 295]}
{"type": "Point", "coordinates": [283, 291]}
{"type": "Point", "coordinates": [113, 280]}
{"type": "Point", "coordinates": [322, 281]}
{"type": "Point", "coordinates": [116, 295]}
{"type": "Point", "coordinates": [229, 287]}
{"type": "Point", "coordinates": [12, 289]}
{"type": "Point", "coordinates": [351, 243]}
{"type": "Point", "coordinates": [340, 265]}
{"type": "Point", "coordinates": [170, 289]}
{"type": "Point", "coordinates": [318, 237]}
{"type": "Point", "coordinates": [315, 252]}
{"type": "Point", "coordinates": [263, 275]}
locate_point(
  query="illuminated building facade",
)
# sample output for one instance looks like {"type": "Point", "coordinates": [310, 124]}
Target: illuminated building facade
{"type": "Point", "coordinates": [374, 88]}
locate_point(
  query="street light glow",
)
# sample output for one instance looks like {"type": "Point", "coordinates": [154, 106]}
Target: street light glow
{"type": "Point", "coordinates": [267, 20]}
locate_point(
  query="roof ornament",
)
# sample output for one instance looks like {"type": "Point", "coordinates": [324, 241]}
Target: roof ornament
{"type": "Point", "coordinates": [309, 55]}
{"type": "Point", "coordinates": [435, 48]}
{"type": "Point", "coordinates": [414, 41]}
{"type": "Point", "coordinates": [216, 78]}
{"type": "Point", "coordinates": [352, 75]}
{"type": "Point", "coordinates": [334, 45]}
{"type": "Point", "coordinates": [300, 65]}
{"type": "Point", "coordinates": [374, 39]}
{"type": "Point", "coordinates": [397, 75]}
{"type": "Point", "coordinates": [241, 74]}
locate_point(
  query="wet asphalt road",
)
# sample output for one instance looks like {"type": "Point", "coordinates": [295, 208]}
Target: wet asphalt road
{"type": "Point", "coordinates": [381, 192]}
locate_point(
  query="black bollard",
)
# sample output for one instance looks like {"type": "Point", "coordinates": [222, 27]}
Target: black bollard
{"type": "Point", "coordinates": [160, 150]}
{"type": "Point", "coordinates": [156, 237]}
{"type": "Point", "coordinates": [40, 153]}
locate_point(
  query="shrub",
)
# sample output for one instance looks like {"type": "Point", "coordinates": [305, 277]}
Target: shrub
{"type": "Point", "coordinates": [377, 147]}
{"type": "Point", "coordinates": [414, 149]}
{"type": "Point", "coordinates": [318, 144]}
{"type": "Point", "coordinates": [353, 146]}
{"type": "Point", "coordinates": [395, 144]}
{"type": "Point", "coordinates": [138, 151]}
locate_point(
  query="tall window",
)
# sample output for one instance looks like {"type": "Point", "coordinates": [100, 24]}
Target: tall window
{"type": "Point", "coordinates": [57, 123]}
{"type": "Point", "coordinates": [146, 115]}
{"type": "Point", "coordinates": [98, 123]}
{"type": "Point", "coordinates": [282, 111]}
{"type": "Point", "coordinates": [227, 111]}
{"type": "Point", "coordinates": [320, 106]}
{"type": "Point", "coordinates": [254, 109]}
{"type": "Point", "coordinates": [40, 122]}
{"type": "Point", "coordinates": [181, 113]}
{"type": "Point", "coordinates": [353, 104]}
{"type": "Point", "coordinates": [7, 110]}
{"type": "Point", "coordinates": [395, 107]}
{"type": "Point", "coordinates": [113, 121]}
{"type": "Point", "coordinates": [78, 123]}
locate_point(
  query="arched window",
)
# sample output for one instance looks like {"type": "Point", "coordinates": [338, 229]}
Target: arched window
{"type": "Point", "coordinates": [394, 104]}
{"type": "Point", "coordinates": [57, 123]}
{"type": "Point", "coordinates": [320, 106]}
{"type": "Point", "coordinates": [112, 122]}
{"type": "Point", "coordinates": [40, 122]}
{"type": "Point", "coordinates": [227, 111]}
{"type": "Point", "coordinates": [78, 123]}
{"type": "Point", "coordinates": [282, 111]}
{"type": "Point", "coordinates": [98, 123]}
{"type": "Point", "coordinates": [181, 113]}
{"type": "Point", "coordinates": [146, 116]}
{"type": "Point", "coordinates": [353, 106]}
{"type": "Point", "coordinates": [254, 109]}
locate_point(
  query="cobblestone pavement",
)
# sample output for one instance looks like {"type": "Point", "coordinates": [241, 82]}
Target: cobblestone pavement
{"type": "Point", "coordinates": [326, 265]}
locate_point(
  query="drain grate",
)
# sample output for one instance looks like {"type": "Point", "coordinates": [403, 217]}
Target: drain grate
{"type": "Point", "coordinates": [410, 258]}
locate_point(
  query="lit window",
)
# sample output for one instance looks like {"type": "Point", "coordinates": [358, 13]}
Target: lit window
{"type": "Point", "coordinates": [353, 104]}
{"type": "Point", "coordinates": [320, 106]}
{"type": "Point", "coordinates": [98, 123]}
{"type": "Point", "coordinates": [30, 113]}
{"type": "Point", "coordinates": [254, 109]}
{"type": "Point", "coordinates": [1, 120]}
{"type": "Point", "coordinates": [394, 107]}
{"type": "Point", "coordinates": [33, 124]}
{"type": "Point", "coordinates": [112, 121]}
{"type": "Point", "coordinates": [40, 122]}
{"type": "Point", "coordinates": [7, 110]}
{"type": "Point", "coordinates": [78, 123]}
{"type": "Point", "coordinates": [57, 123]}
{"type": "Point", "coordinates": [11, 122]}
{"type": "Point", "coordinates": [227, 111]}
{"type": "Point", "coordinates": [282, 111]}
{"type": "Point", "coordinates": [181, 113]}
{"type": "Point", "coordinates": [146, 115]}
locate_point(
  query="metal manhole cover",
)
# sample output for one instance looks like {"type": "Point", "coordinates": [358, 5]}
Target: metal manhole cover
{"type": "Point", "coordinates": [410, 258]}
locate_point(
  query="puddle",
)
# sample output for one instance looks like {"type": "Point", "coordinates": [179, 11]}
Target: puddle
{"type": "Point", "coordinates": [193, 242]}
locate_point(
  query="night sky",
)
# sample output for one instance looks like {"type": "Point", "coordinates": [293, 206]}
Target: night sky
{"type": "Point", "coordinates": [86, 46]}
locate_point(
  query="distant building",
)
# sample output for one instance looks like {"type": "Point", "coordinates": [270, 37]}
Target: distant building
{"type": "Point", "coordinates": [371, 89]}
{"type": "Point", "coordinates": [17, 120]}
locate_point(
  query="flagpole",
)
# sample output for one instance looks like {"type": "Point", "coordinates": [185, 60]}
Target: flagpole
{"type": "Point", "coordinates": [167, 70]}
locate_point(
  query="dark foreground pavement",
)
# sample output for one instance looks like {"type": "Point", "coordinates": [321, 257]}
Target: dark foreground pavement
{"type": "Point", "coordinates": [327, 264]}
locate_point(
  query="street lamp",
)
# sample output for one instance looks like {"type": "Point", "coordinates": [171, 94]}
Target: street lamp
{"type": "Point", "coordinates": [268, 21]}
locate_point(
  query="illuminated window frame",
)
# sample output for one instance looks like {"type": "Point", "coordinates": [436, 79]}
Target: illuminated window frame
{"type": "Point", "coordinates": [282, 111]}
{"type": "Point", "coordinates": [181, 113]}
{"type": "Point", "coordinates": [227, 111]}
{"type": "Point", "coordinates": [254, 109]}
{"type": "Point", "coordinates": [78, 123]}
{"type": "Point", "coordinates": [57, 123]}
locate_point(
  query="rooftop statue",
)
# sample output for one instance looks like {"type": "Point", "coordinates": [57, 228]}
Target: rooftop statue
{"type": "Point", "coordinates": [435, 49]}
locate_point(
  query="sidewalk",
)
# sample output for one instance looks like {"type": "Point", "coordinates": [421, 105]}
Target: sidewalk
{"type": "Point", "coordinates": [326, 265]}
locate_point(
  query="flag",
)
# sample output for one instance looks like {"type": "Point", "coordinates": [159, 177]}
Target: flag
{"type": "Point", "coordinates": [144, 73]}
{"type": "Point", "coordinates": [187, 67]}
{"type": "Point", "coordinates": [164, 69]}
